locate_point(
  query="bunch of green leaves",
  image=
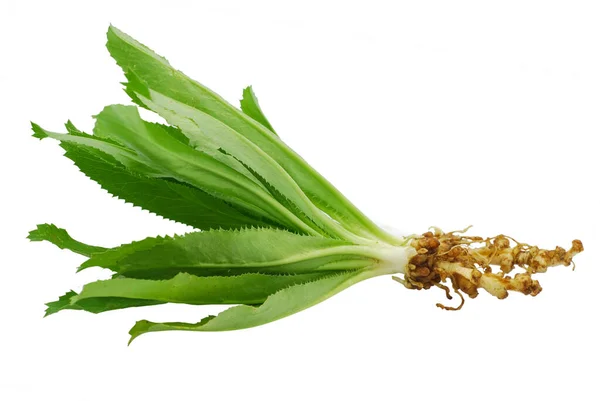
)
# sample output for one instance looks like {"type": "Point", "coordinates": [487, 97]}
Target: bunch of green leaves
{"type": "Point", "coordinates": [272, 235]}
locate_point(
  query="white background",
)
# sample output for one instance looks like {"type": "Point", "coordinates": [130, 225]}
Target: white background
{"type": "Point", "coordinates": [423, 113]}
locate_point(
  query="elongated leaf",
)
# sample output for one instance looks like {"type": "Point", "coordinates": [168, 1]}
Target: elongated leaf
{"type": "Point", "coordinates": [95, 305]}
{"type": "Point", "coordinates": [62, 239]}
{"type": "Point", "coordinates": [121, 293]}
{"type": "Point", "coordinates": [117, 170]}
{"type": "Point", "coordinates": [220, 252]}
{"type": "Point", "coordinates": [249, 105]}
{"type": "Point", "coordinates": [146, 71]}
{"type": "Point", "coordinates": [167, 198]}
{"type": "Point", "coordinates": [206, 132]}
{"type": "Point", "coordinates": [279, 305]}
{"type": "Point", "coordinates": [112, 124]}
{"type": "Point", "coordinates": [183, 163]}
{"type": "Point", "coordinates": [125, 156]}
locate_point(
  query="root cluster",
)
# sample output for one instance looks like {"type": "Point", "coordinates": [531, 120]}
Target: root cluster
{"type": "Point", "coordinates": [467, 263]}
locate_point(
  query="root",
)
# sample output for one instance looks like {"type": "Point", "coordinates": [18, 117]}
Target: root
{"type": "Point", "coordinates": [467, 262]}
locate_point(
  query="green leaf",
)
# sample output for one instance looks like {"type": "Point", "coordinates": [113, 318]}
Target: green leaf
{"type": "Point", "coordinates": [249, 105]}
{"type": "Point", "coordinates": [208, 134]}
{"type": "Point", "coordinates": [279, 305]}
{"type": "Point", "coordinates": [116, 169]}
{"type": "Point", "coordinates": [219, 252]}
{"type": "Point", "coordinates": [167, 198]}
{"type": "Point", "coordinates": [95, 305]}
{"type": "Point", "coordinates": [118, 293]}
{"type": "Point", "coordinates": [126, 157]}
{"type": "Point", "coordinates": [183, 163]}
{"type": "Point", "coordinates": [62, 239]}
{"type": "Point", "coordinates": [147, 71]}
{"type": "Point", "coordinates": [63, 302]}
{"type": "Point", "coordinates": [114, 123]}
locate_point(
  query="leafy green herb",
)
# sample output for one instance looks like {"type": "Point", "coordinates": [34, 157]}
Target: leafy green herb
{"type": "Point", "coordinates": [274, 238]}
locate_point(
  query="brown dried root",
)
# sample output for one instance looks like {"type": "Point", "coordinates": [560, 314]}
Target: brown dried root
{"type": "Point", "coordinates": [467, 262]}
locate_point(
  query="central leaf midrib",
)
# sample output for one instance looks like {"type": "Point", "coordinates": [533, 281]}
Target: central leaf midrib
{"type": "Point", "coordinates": [345, 252]}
